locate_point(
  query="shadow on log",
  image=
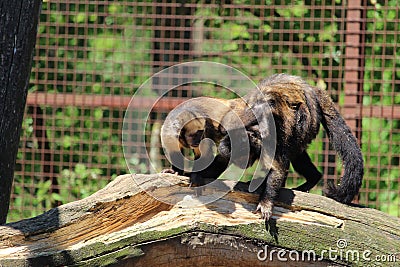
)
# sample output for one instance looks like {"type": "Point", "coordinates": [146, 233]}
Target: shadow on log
{"type": "Point", "coordinates": [122, 225]}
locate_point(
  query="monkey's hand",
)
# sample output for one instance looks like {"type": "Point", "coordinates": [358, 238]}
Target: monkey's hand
{"type": "Point", "coordinates": [169, 171]}
{"type": "Point", "coordinates": [265, 207]}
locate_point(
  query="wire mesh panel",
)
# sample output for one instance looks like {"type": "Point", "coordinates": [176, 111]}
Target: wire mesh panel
{"type": "Point", "coordinates": [91, 57]}
{"type": "Point", "coordinates": [380, 107]}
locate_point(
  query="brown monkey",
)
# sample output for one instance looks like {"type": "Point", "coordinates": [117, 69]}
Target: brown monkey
{"type": "Point", "coordinates": [297, 109]}
{"type": "Point", "coordinates": [187, 125]}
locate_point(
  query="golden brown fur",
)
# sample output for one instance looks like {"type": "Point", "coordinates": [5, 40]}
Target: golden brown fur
{"type": "Point", "coordinates": [191, 122]}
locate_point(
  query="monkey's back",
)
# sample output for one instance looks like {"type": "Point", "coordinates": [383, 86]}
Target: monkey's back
{"type": "Point", "coordinates": [192, 114]}
{"type": "Point", "coordinates": [294, 105]}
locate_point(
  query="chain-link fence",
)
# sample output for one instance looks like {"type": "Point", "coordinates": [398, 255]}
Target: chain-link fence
{"type": "Point", "coordinates": [92, 56]}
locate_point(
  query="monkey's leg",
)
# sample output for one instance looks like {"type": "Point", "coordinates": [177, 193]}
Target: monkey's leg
{"type": "Point", "coordinates": [303, 165]}
{"type": "Point", "coordinates": [274, 181]}
{"type": "Point", "coordinates": [207, 165]}
{"type": "Point", "coordinates": [177, 160]}
{"type": "Point", "coordinates": [213, 171]}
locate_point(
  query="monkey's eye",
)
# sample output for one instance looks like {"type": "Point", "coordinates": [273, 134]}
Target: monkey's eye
{"type": "Point", "coordinates": [295, 106]}
{"type": "Point", "coordinates": [195, 138]}
{"type": "Point", "coordinates": [199, 134]}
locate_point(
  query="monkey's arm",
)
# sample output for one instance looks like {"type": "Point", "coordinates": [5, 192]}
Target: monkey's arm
{"type": "Point", "coordinates": [275, 179]}
{"type": "Point", "coordinates": [177, 160]}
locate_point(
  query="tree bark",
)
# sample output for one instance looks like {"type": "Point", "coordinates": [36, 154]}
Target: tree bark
{"type": "Point", "coordinates": [123, 225]}
{"type": "Point", "coordinates": [18, 28]}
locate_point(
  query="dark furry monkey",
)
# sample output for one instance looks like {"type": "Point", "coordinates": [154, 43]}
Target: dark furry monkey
{"type": "Point", "coordinates": [297, 110]}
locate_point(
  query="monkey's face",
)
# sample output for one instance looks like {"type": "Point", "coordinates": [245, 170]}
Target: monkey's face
{"type": "Point", "coordinates": [194, 138]}
{"type": "Point", "coordinates": [192, 133]}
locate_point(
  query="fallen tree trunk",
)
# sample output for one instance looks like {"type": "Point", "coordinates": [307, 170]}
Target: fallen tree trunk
{"type": "Point", "coordinates": [123, 225]}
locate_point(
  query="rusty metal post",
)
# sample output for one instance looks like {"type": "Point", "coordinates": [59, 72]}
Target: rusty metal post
{"type": "Point", "coordinates": [354, 65]}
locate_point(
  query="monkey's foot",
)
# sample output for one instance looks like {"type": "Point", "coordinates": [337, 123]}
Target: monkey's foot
{"type": "Point", "coordinates": [198, 191]}
{"type": "Point", "coordinates": [196, 181]}
{"type": "Point", "coordinates": [169, 171]}
{"type": "Point", "coordinates": [304, 188]}
{"type": "Point", "coordinates": [265, 207]}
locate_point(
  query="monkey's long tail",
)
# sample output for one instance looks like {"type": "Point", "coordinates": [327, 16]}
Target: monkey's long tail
{"type": "Point", "coordinates": [347, 148]}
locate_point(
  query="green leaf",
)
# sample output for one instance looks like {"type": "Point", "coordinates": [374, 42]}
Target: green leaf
{"type": "Point", "coordinates": [329, 32]}
{"type": "Point", "coordinates": [67, 141]}
{"type": "Point", "coordinates": [98, 113]}
{"type": "Point", "coordinates": [299, 10]}
{"type": "Point", "coordinates": [267, 28]}
{"type": "Point", "coordinates": [57, 197]}
{"type": "Point", "coordinates": [230, 47]}
{"type": "Point", "coordinates": [80, 17]}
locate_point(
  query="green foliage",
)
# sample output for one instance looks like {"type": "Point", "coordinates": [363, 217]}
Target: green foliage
{"type": "Point", "coordinates": [381, 138]}
{"type": "Point", "coordinates": [383, 161]}
{"type": "Point", "coordinates": [240, 40]}
{"type": "Point", "coordinates": [79, 183]}
{"type": "Point", "coordinates": [83, 138]}
{"type": "Point", "coordinates": [105, 48]}
{"type": "Point", "coordinates": [74, 184]}
{"type": "Point", "coordinates": [106, 56]}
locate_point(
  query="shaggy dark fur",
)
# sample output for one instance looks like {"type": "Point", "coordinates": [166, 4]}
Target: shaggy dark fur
{"type": "Point", "coordinates": [297, 110]}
